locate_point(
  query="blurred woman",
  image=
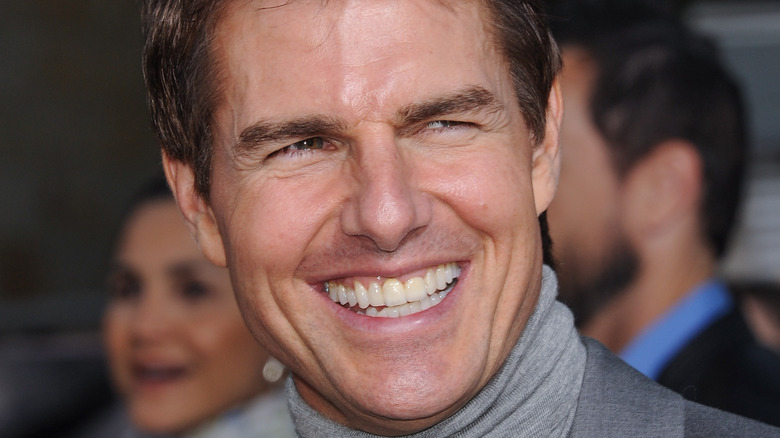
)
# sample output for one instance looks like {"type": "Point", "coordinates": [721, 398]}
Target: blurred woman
{"type": "Point", "coordinates": [180, 355]}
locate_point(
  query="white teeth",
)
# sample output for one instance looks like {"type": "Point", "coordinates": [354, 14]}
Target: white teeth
{"type": "Point", "coordinates": [362, 295]}
{"type": "Point", "coordinates": [333, 292]}
{"type": "Point", "coordinates": [441, 278]}
{"type": "Point", "coordinates": [396, 298]}
{"type": "Point", "coordinates": [342, 292]}
{"type": "Point", "coordinates": [393, 292]}
{"type": "Point", "coordinates": [430, 281]}
{"type": "Point", "coordinates": [351, 298]}
{"type": "Point", "coordinates": [389, 312]}
{"type": "Point", "coordinates": [415, 289]}
{"type": "Point", "coordinates": [375, 296]}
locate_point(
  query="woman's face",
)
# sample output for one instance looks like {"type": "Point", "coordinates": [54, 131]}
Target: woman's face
{"type": "Point", "coordinates": [178, 349]}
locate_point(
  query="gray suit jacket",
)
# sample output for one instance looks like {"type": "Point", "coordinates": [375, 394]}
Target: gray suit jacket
{"type": "Point", "coordinates": [618, 401]}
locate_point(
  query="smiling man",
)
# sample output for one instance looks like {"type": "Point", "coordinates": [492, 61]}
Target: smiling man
{"type": "Point", "coordinates": [372, 173]}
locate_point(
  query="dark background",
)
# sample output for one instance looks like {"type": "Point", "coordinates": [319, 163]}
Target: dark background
{"type": "Point", "coordinates": [75, 142]}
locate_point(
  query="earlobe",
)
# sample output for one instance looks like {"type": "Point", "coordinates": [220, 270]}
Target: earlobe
{"type": "Point", "coordinates": [547, 154]}
{"type": "Point", "coordinates": [197, 212]}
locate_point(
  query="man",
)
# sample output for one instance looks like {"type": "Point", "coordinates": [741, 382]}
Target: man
{"type": "Point", "coordinates": [654, 143]}
{"type": "Point", "coordinates": [371, 173]}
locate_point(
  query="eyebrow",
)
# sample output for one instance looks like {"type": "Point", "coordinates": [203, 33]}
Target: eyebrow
{"type": "Point", "coordinates": [470, 99]}
{"type": "Point", "coordinates": [301, 127]}
{"type": "Point", "coordinates": [189, 268]}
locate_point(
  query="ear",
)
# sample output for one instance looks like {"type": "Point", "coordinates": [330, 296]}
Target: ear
{"type": "Point", "coordinates": [664, 188]}
{"type": "Point", "coordinates": [198, 214]}
{"type": "Point", "coordinates": [546, 155]}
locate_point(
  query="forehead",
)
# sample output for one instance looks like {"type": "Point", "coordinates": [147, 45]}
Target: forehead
{"type": "Point", "coordinates": [156, 231]}
{"type": "Point", "coordinates": [349, 54]}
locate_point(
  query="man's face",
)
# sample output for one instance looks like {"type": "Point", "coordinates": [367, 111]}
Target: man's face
{"type": "Point", "coordinates": [595, 259]}
{"type": "Point", "coordinates": [364, 149]}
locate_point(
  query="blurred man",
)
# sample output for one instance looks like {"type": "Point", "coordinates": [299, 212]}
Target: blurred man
{"type": "Point", "coordinates": [654, 150]}
{"type": "Point", "coordinates": [372, 173]}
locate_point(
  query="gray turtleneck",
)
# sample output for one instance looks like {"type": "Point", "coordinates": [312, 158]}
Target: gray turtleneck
{"type": "Point", "coordinates": [535, 393]}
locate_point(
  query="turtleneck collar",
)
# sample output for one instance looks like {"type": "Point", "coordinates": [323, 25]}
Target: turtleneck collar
{"type": "Point", "coordinates": [534, 393]}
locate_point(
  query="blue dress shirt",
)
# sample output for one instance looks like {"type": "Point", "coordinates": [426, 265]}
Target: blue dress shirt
{"type": "Point", "coordinates": [661, 341]}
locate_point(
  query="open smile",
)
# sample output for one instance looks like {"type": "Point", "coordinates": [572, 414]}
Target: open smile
{"type": "Point", "coordinates": [149, 375]}
{"type": "Point", "coordinates": [393, 297]}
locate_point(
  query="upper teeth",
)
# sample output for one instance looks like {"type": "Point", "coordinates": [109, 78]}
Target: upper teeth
{"type": "Point", "coordinates": [399, 298]}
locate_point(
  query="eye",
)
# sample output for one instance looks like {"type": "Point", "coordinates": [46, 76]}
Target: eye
{"type": "Point", "coordinates": [194, 290]}
{"type": "Point", "coordinates": [124, 286]}
{"type": "Point", "coordinates": [445, 124]}
{"type": "Point", "coordinates": [306, 145]}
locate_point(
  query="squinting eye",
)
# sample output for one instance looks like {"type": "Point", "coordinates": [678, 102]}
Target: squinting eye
{"type": "Point", "coordinates": [308, 144]}
{"type": "Point", "coordinates": [443, 124]}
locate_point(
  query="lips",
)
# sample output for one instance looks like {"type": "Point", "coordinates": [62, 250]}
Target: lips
{"type": "Point", "coordinates": [393, 297]}
{"type": "Point", "coordinates": [157, 374]}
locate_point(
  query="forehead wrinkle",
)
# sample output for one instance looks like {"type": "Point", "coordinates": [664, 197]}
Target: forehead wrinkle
{"type": "Point", "coordinates": [347, 31]}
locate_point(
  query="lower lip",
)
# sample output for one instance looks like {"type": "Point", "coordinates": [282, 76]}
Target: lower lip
{"type": "Point", "coordinates": [156, 385]}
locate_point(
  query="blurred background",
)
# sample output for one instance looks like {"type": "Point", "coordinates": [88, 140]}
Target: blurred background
{"type": "Point", "coordinates": [75, 143]}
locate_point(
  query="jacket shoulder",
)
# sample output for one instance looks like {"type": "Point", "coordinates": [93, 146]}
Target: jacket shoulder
{"type": "Point", "coordinates": [618, 401]}
{"type": "Point", "coordinates": [706, 422]}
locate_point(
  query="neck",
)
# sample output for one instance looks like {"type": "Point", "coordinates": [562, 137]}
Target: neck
{"type": "Point", "coordinates": [665, 276]}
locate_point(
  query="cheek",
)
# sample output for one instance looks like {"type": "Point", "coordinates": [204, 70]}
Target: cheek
{"type": "Point", "coordinates": [491, 198]}
{"type": "Point", "coordinates": [272, 227]}
{"type": "Point", "coordinates": [116, 338]}
{"type": "Point", "coordinates": [235, 362]}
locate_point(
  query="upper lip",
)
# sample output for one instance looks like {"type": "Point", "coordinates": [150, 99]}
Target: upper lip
{"type": "Point", "coordinates": [383, 269]}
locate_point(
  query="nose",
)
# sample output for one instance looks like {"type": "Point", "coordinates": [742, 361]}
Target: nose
{"type": "Point", "coordinates": [152, 319]}
{"type": "Point", "coordinates": [386, 203]}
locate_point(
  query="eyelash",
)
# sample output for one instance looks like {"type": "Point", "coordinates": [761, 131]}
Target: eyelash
{"type": "Point", "coordinates": [446, 124]}
{"type": "Point", "coordinates": [193, 290]}
{"type": "Point", "coordinates": [297, 148]}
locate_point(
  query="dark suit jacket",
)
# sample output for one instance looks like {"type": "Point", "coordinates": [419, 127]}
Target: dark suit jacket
{"type": "Point", "coordinates": [726, 368]}
{"type": "Point", "coordinates": [618, 401]}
